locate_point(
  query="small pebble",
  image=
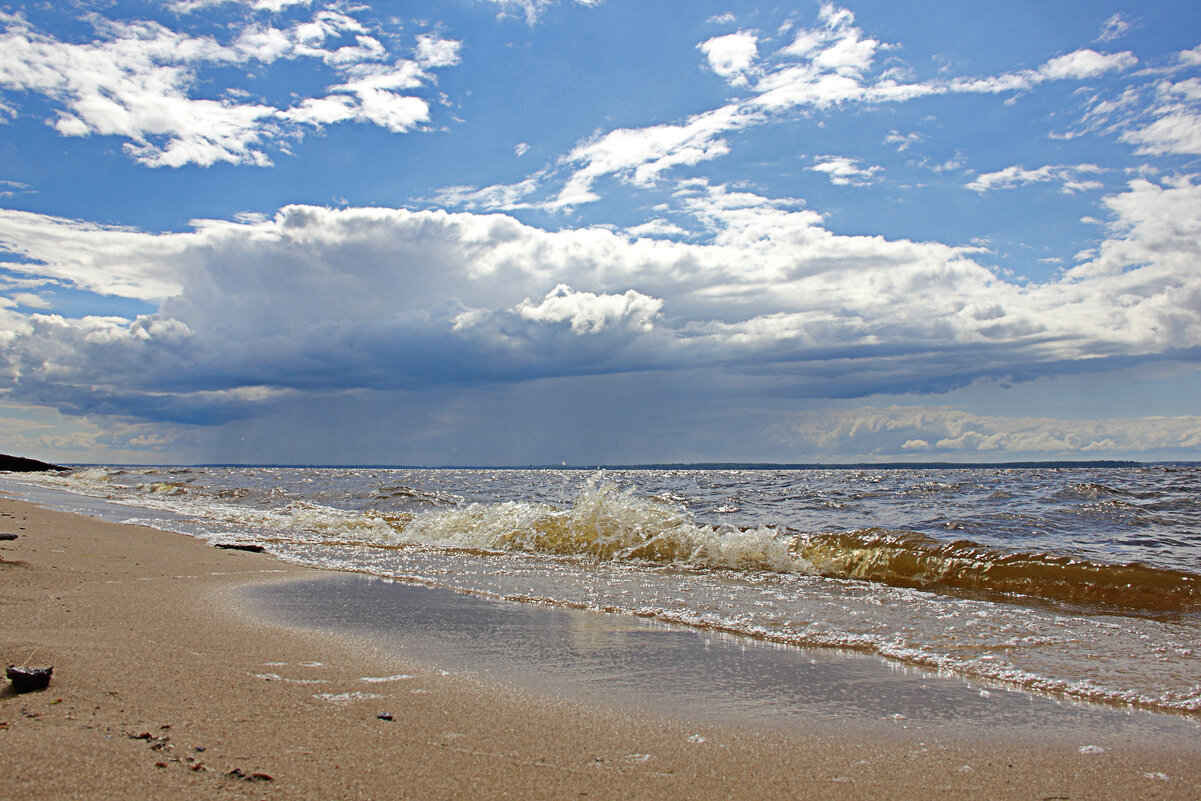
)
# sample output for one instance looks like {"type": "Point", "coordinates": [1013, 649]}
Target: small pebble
{"type": "Point", "coordinates": [384, 716]}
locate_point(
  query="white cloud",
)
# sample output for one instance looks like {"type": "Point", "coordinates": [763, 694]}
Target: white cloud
{"type": "Point", "coordinates": [658, 227]}
{"type": "Point", "coordinates": [1068, 176]}
{"type": "Point", "coordinates": [1116, 27]}
{"type": "Point", "coordinates": [31, 301]}
{"type": "Point", "coordinates": [1176, 127]}
{"type": "Point", "coordinates": [533, 9]}
{"type": "Point", "coordinates": [828, 65]}
{"type": "Point", "coordinates": [590, 313]}
{"type": "Point", "coordinates": [1078, 65]}
{"type": "Point", "coordinates": [845, 171]}
{"type": "Point", "coordinates": [102, 259]}
{"type": "Point", "coordinates": [640, 156]}
{"type": "Point", "coordinates": [141, 80]}
{"type": "Point", "coordinates": [933, 430]}
{"type": "Point", "coordinates": [1177, 130]}
{"type": "Point", "coordinates": [902, 141]}
{"type": "Point", "coordinates": [11, 188]}
{"type": "Point", "coordinates": [732, 56]}
{"type": "Point", "coordinates": [274, 6]}
{"type": "Point", "coordinates": [1084, 64]}
{"type": "Point", "coordinates": [434, 51]}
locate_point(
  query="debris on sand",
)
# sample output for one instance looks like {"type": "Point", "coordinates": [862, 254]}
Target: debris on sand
{"type": "Point", "coordinates": [27, 680]}
{"type": "Point", "coordinates": [239, 546]}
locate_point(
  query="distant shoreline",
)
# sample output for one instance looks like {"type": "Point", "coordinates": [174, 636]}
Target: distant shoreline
{"type": "Point", "coordinates": [21, 464]}
{"type": "Point", "coordinates": [1017, 465]}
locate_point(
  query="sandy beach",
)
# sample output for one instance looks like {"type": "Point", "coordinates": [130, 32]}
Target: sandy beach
{"type": "Point", "coordinates": [166, 687]}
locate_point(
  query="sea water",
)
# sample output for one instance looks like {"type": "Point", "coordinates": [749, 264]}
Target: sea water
{"type": "Point", "coordinates": [1077, 582]}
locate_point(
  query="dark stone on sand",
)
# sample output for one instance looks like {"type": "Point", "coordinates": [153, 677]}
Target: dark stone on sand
{"type": "Point", "coordinates": [19, 464]}
{"type": "Point", "coordinates": [237, 546]}
{"type": "Point", "coordinates": [27, 680]}
{"type": "Point", "coordinates": [7, 537]}
{"type": "Point", "coordinates": [384, 716]}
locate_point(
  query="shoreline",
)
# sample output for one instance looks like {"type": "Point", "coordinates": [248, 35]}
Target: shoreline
{"type": "Point", "coordinates": [630, 662]}
{"type": "Point", "coordinates": [165, 685]}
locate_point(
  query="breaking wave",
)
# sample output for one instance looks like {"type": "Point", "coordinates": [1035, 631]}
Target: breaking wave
{"type": "Point", "coordinates": [908, 559]}
{"type": "Point", "coordinates": [611, 524]}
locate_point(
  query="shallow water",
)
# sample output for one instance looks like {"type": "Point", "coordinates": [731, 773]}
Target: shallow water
{"type": "Point", "coordinates": [1078, 582]}
{"type": "Point", "coordinates": [641, 664]}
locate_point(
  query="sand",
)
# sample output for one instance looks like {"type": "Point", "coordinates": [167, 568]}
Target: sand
{"type": "Point", "coordinates": [165, 687]}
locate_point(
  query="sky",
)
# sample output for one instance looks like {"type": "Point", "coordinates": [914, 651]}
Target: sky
{"type": "Point", "coordinates": [509, 232]}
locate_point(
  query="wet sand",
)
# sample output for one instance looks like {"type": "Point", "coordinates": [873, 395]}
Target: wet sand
{"type": "Point", "coordinates": [167, 685]}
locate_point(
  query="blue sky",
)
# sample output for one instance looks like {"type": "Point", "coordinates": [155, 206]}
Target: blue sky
{"type": "Point", "coordinates": [599, 231]}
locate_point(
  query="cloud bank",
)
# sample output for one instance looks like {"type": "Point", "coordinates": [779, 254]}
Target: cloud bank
{"type": "Point", "coordinates": [925, 431]}
{"type": "Point", "coordinates": [321, 300]}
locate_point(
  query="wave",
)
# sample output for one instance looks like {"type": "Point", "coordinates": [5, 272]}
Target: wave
{"type": "Point", "coordinates": [611, 524]}
{"type": "Point", "coordinates": [605, 522]}
{"type": "Point", "coordinates": [909, 559]}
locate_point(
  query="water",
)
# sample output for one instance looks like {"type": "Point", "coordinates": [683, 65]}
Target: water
{"type": "Point", "coordinates": [1076, 582]}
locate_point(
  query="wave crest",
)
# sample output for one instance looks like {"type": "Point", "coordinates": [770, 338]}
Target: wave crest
{"type": "Point", "coordinates": [607, 523]}
{"type": "Point", "coordinates": [909, 559]}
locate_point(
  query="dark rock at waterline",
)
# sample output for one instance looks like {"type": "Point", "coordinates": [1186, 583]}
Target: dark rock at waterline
{"type": "Point", "coordinates": [27, 680]}
{"type": "Point", "coordinates": [238, 546]}
{"type": "Point", "coordinates": [19, 464]}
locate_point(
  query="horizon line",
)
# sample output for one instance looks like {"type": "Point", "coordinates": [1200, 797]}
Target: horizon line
{"type": "Point", "coordinates": [1017, 464]}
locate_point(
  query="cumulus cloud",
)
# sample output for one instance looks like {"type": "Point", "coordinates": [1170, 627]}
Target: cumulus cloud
{"type": "Point", "coordinates": [1083, 64]}
{"type": "Point", "coordinates": [434, 51]}
{"type": "Point", "coordinates": [732, 56]}
{"type": "Point", "coordinates": [589, 313]}
{"type": "Point", "coordinates": [845, 171]}
{"type": "Point", "coordinates": [142, 81]}
{"type": "Point", "coordinates": [322, 300]}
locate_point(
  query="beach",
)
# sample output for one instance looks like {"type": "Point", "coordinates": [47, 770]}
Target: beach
{"type": "Point", "coordinates": [166, 685]}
